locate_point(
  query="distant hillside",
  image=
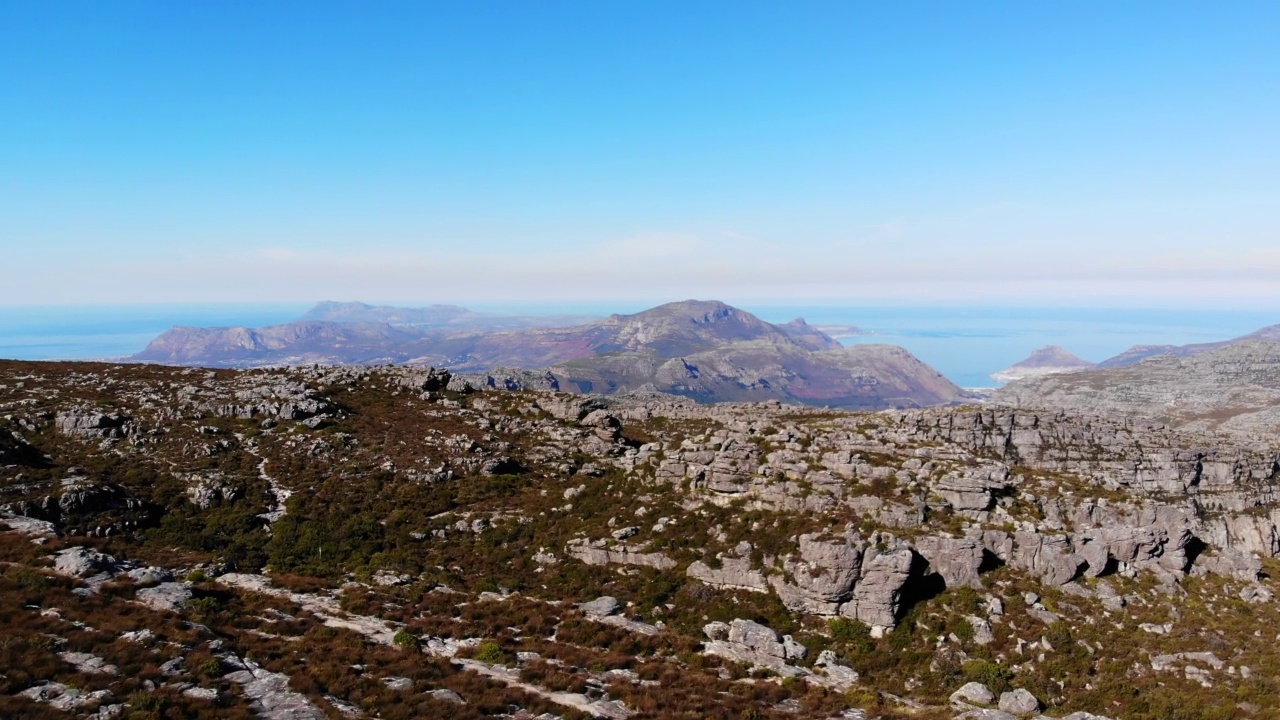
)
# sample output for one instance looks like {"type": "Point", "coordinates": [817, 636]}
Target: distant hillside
{"type": "Point", "coordinates": [702, 349]}
{"type": "Point", "coordinates": [1048, 360]}
{"type": "Point", "coordinates": [858, 377]}
{"type": "Point", "coordinates": [1138, 353]}
{"type": "Point", "coordinates": [1232, 387]}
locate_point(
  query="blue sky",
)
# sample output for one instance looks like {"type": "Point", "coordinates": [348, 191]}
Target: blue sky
{"type": "Point", "coordinates": [1042, 153]}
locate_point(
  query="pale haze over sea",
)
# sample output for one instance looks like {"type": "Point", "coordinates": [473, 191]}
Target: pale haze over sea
{"type": "Point", "coordinates": [965, 344]}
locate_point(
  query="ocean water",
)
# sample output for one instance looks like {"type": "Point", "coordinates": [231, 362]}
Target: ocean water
{"type": "Point", "coordinates": [112, 331]}
{"type": "Point", "coordinates": [965, 344]}
{"type": "Point", "coordinates": [968, 344]}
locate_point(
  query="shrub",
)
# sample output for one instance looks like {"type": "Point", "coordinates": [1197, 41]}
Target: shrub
{"type": "Point", "coordinates": [408, 641]}
{"type": "Point", "coordinates": [996, 677]}
{"type": "Point", "coordinates": [490, 652]}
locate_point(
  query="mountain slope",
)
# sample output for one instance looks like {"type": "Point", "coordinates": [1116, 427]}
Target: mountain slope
{"type": "Point", "coordinates": [1138, 353]}
{"type": "Point", "coordinates": [1233, 387]}
{"type": "Point", "coordinates": [858, 377]}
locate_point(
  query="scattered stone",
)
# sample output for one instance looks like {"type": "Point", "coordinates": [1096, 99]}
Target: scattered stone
{"type": "Point", "coordinates": [89, 663]}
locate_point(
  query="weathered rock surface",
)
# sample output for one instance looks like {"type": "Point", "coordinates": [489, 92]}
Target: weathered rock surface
{"type": "Point", "coordinates": [1019, 702]}
{"type": "Point", "coordinates": [975, 693]}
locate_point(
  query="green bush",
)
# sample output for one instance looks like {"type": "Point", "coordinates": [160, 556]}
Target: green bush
{"type": "Point", "coordinates": [997, 678]}
{"type": "Point", "coordinates": [490, 652]}
{"type": "Point", "coordinates": [408, 641]}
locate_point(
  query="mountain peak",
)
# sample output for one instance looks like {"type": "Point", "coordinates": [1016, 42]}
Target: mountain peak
{"type": "Point", "coordinates": [1048, 360]}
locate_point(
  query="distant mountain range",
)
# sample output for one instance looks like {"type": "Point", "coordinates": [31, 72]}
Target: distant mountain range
{"type": "Point", "coordinates": [702, 349]}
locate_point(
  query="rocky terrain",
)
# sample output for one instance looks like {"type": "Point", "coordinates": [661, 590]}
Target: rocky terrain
{"type": "Point", "coordinates": [705, 350]}
{"type": "Point", "coordinates": [1234, 388]}
{"type": "Point", "coordinates": [396, 542]}
{"type": "Point", "coordinates": [1048, 360]}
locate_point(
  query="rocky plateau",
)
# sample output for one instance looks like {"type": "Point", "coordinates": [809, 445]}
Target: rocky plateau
{"type": "Point", "coordinates": [403, 542]}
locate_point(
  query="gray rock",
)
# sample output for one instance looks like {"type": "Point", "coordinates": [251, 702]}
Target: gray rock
{"type": "Point", "coordinates": [837, 676]}
{"type": "Point", "coordinates": [792, 649]}
{"type": "Point", "coordinates": [601, 606]}
{"type": "Point", "coordinates": [91, 424]}
{"type": "Point", "coordinates": [986, 714]}
{"type": "Point", "coordinates": [149, 575]}
{"type": "Point", "coordinates": [398, 683]}
{"type": "Point", "coordinates": [165, 596]}
{"type": "Point", "coordinates": [596, 553]}
{"type": "Point", "coordinates": [878, 594]}
{"type": "Point", "coordinates": [734, 573]}
{"type": "Point", "coordinates": [448, 696]}
{"type": "Point", "coordinates": [982, 632]}
{"type": "Point", "coordinates": [1019, 702]}
{"type": "Point", "coordinates": [716, 630]}
{"type": "Point", "coordinates": [269, 693]}
{"type": "Point", "coordinates": [1049, 556]}
{"type": "Point", "coordinates": [823, 576]}
{"type": "Point", "coordinates": [975, 693]}
{"type": "Point", "coordinates": [82, 562]}
{"type": "Point", "coordinates": [88, 663]}
{"type": "Point", "coordinates": [957, 560]}
{"type": "Point", "coordinates": [624, 533]}
{"type": "Point", "coordinates": [757, 637]}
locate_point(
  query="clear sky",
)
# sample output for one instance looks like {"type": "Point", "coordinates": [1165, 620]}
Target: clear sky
{"type": "Point", "coordinates": [949, 152]}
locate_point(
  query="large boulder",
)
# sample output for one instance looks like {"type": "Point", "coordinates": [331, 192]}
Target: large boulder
{"type": "Point", "coordinates": [878, 594]}
{"type": "Point", "coordinates": [974, 693]}
{"type": "Point", "coordinates": [823, 576]}
{"type": "Point", "coordinates": [1049, 556]}
{"type": "Point", "coordinates": [82, 562]}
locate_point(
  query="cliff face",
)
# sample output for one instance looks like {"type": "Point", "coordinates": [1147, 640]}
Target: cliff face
{"type": "Point", "coordinates": [408, 535]}
{"type": "Point", "coordinates": [1231, 388]}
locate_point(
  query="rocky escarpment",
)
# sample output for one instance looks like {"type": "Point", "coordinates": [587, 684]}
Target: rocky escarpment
{"type": "Point", "coordinates": [1234, 388]}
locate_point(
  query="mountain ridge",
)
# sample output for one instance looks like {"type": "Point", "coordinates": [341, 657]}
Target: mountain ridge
{"type": "Point", "coordinates": [744, 357]}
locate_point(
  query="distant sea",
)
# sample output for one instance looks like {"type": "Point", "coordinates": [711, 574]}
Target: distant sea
{"type": "Point", "coordinates": [965, 344]}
